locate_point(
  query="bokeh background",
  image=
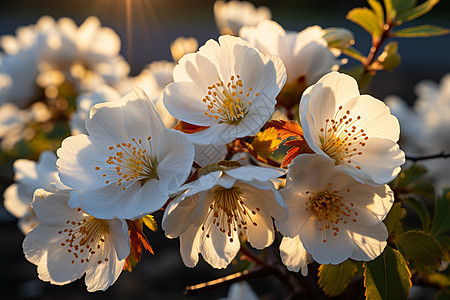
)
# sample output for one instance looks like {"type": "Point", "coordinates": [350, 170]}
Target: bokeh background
{"type": "Point", "coordinates": [154, 25]}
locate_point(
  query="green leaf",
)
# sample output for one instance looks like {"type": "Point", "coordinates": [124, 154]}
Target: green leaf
{"type": "Point", "coordinates": [444, 241]}
{"type": "Point", "coordinates": [389, 59]}
{"type": "Point", "coordinates": [333, 279]}
{"type": "Point", "coordinates": [417, 11]}
{"type": "Point", "coordinates": [387, 277]}
{"type": "Point", "coordinates": [354, 53]}
{"type": "Point", "coordinates": [394, 216]}
{"type": "Point", "coordinates": [409, 175]}
{"type": "Point", "coordinates": [367, 19]}
{"type": "Point", "coordinates": [378, 10]}
{"type": "Point", "coordinates": [423, 188]}
{"type": "Point", "coordinates": [150, 222]}
{"type": "Point", "coordinates": [421, 31]}
{"type": "Point", "coordinates": [402, 5]}
{"type": "Point", "coordinates": [421, 248]}
{"type": "Point", "coordinates": [420, 209]}
{"type": "Point", "coordinates": [441, 218]}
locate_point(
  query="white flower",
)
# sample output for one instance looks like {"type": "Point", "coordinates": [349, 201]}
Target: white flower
{"type": "Point", "coordinates": [68, 243]}
{"type": "Point", "coordinates": [356, 132]}
{"type": "Point", "coordinates": [294, 255]}
{"type": "Point", "coordinates": [86, 101]}
{"type": "Point", "coordinates": [182, 46]}
{"type": "Point", "coordinates": [425, 127]}
{"type": "Point", "coordinates": [29, 176]}
{"type": "Point", "coordinates": [152, 80]}
{"type": "Point", "coordinates": [232, 15]}
{"type": "Point", "coordinates": [13, 122]}
{"type": "Point", "coordinates": [241, 291]}
{"type": "Point", "coordinates": [51, 52]}
{"type": "Point", "coordinates": [305, 54]}
{"type": "Point", "coordinates": [128, 164]}
{"type": "Point", "coordinates": [228, 86]}
{"type": "Point", "coordinates": [18, 74]}
{"type": "Point", "coordinates": [86, 53]}
{"type": "Point", "coordinates": [335, 217]}
{"type": "Point", "coordinates": [209, 154]}
{"type": "Point", "coordinates": [410, 124]}
{"type": "Point", "coordinates": [219, 208]}
{"type": "Point", "coordinates": [162, 70]}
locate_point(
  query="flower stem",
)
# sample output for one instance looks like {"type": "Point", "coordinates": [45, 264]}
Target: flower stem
{"type": "Point", "coordinates": [377, 43]}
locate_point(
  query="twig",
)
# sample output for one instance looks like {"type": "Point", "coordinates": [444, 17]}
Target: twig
{"type": "Point", "coordinates": [226, 281]}
{"type": "Point", "coordinates": [251, 256]}
{"type": "Point", "coordinates": [376, 46]}
{"type": "Point", "coordinates": [431, 156]}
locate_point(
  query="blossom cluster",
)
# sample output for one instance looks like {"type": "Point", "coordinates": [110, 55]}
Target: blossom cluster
{"type": "Point", "coordinates": [216, 174]}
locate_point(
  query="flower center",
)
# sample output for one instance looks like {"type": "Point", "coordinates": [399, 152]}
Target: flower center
{"type": "Point", "coordinates": [228, 102]}
{"type": "Point", "coordinates": [130, 162]}
{"type": "Point", "coordinates": [330, 210]}
{"type": "Point", "coordinates": [341, 139]}
{"type": "Point", "coordinates": [229, 213]}
{"type": "Point", "coordinates": [84, 237]}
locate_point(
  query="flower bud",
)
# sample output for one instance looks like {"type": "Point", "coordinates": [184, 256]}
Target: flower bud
{"type": "Point", "coordinates": [337, 37]}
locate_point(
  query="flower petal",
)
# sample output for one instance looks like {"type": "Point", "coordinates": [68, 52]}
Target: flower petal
{"type": "Point", "coordinates": [334, 250]}
{"type": "Point", "coordinates": [294, 255]}
{"type": "Point", "coordinates": [368, 241]}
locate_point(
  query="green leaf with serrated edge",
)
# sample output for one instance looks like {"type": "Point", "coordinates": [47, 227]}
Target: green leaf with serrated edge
{"type": "Point", "coordinates": [421, 248]}
{"type": "Point", "coordinates": [393, 217]}
{"type": "Point", "coordinates": [417, 11]}
{"type": "Point", "coordinates": [387, 277]}
{"type": "Point", "coordinates": [367, 19]}
{"type": "Point", "coordinates": [421, 31]}
{"type": "Point", "coordinates": [420, 209]}
{"type": "Point", "coordinates": [389, 59]}
{"type": "Point", "coordinates": [333, 279]}
{"type": "Point", "coordinates": [150, 222]}
{"type": "Point", "coordinates": [390, 11]}
{"type": "Point", "coordinates": [423, 188]}
{"type": "Point", "coordinates": [354, 53]}
{"type": "Point", "coordinates": [441, 218]}
{"type": "Point", "coordinates": [378, 10]}
{"type": "Point", "coordinates": [402, 5]}
{"type": "Point", "coordinates": [409, 175]}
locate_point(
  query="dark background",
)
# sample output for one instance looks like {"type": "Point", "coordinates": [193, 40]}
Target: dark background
{"type": "Point", "coordinates": [155, 24]}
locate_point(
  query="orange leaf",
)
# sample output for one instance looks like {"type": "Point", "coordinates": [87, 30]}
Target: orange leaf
{"type": "Point", "coordinates": [189, 128]}
{"type": "Point", "coordinates": [290, 155]}
{"type": "Point", "coordinates": [137, 240]}
{"type": "Point", "coordinates": [299, 146]}
{"type": "Point", "coordinates": [266, 142]}
{"type": "Point", "coordinates": [286, 129]}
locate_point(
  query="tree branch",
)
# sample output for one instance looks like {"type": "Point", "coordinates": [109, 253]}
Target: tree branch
{"type": "Point", "coordinates": [226, 281]}
{"type": "Point", "coordinates": [431, 156]}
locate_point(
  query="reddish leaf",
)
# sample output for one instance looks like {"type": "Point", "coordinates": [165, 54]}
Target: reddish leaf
{"type": "Point", "coordinates": [286, 128]}
{"type": "Point", "coordinates": [299, 146]}
{"type": "Point", "coordinates": [295, 143]}
{"type": "Point", "coordinates": [189, 128]}
{"type": "Point", "coordinates": [137, 240]}
{"type": "Point", "coordinates": [290, 155]}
